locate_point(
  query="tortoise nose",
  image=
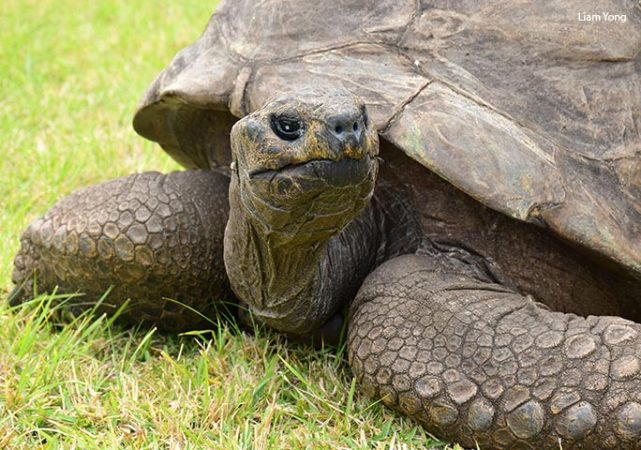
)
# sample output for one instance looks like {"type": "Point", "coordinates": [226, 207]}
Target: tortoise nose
{"type": "Point", "coordinates": [348, 129]}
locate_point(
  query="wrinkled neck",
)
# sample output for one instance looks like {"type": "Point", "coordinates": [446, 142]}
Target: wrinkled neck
{"type": "Point", "coordinates": [275, 270]}
{"type": "Point", "coordinates": [295, 282]}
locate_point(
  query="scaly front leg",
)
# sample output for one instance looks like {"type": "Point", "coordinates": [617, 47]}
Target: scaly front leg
{"type": "Point", "coordinates": [475, 362]}
{"type": "Point", "coordinates": [147, 237]}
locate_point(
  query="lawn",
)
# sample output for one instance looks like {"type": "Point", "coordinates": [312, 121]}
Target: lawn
{"type": "Point", "coordinates": [71, 73]}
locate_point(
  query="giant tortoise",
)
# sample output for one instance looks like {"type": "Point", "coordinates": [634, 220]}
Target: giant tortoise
{"type": "Point", "coordinates": [479, 256]}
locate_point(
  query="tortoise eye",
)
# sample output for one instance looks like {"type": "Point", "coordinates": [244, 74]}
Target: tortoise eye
{"type": "Point", "coordinates": [287, 128]}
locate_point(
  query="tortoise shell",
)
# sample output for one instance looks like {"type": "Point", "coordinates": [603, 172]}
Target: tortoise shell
{"type": "Point", "coordinates": [525, 106]}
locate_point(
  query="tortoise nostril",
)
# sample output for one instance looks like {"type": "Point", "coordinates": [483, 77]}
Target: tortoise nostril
{"type": "Point", "coordinates": [347, 128]}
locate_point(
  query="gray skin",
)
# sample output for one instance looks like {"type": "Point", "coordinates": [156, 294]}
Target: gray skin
{"type": "Point", "coordinates": [435, 330]}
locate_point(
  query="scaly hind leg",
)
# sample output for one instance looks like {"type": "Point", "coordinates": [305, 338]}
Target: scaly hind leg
{"type": "Point", "coordinates": [147, 237]}
{"type": "Point", "coordinates": [475, 362]}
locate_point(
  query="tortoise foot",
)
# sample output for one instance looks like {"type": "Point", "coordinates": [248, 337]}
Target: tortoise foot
{"type": "Point", "coordinates": [475, 362]}
{"type": "Point", "coordinates": [148, 237]}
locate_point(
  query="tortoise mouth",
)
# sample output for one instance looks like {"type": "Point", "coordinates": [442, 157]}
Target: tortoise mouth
{"type": "Point", "coordinates": [344, 172]}
{"type": "Point", "coordinates": [311, 200]}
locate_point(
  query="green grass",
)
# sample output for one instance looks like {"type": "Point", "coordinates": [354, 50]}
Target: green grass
{"type": "Point", "coordinates": [71, 73]}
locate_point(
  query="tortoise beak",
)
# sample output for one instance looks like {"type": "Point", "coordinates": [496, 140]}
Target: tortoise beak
{"type": "Point", "coordinates": [346, 172]}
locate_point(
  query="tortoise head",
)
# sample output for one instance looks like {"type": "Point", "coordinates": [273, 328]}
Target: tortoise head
{"type": "Point", "coordinates": [305, 164]}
